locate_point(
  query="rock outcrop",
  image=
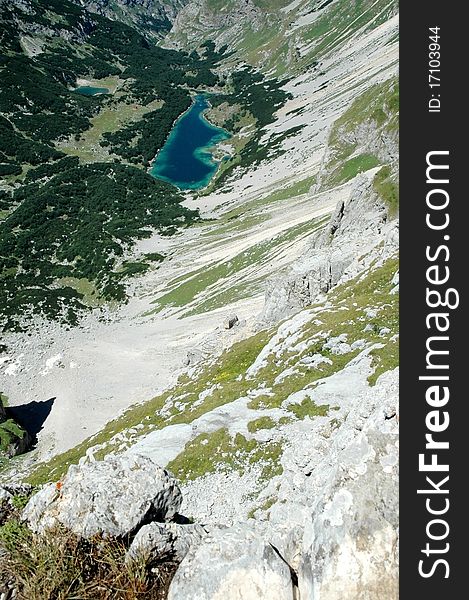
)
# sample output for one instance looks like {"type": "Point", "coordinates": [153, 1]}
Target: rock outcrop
{"type": "Point", "coordinates": [152, 17]}
{"type": "Point", "coordinates": [199, 18]}
{"type": "Point", "coordinates": [343, 248]}
{"type": "Point", "coordinates": [233, 563]}
{"type": "Point", "coordinates": [114, 497]}
{"type": "Point", "coordinates": [349, 542]}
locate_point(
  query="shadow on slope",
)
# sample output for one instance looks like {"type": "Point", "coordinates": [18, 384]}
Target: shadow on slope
{"type": "Point", "coordinates": [32, 416]}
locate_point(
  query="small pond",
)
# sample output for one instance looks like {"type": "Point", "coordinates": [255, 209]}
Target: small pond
{"type": "Point", "coordinates": [88, 90]}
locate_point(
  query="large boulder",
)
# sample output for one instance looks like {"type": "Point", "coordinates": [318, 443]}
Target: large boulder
{"type": "Point", "coordinates": [111, 497]}
{"type": "Point", "coordinates": [232, 563]}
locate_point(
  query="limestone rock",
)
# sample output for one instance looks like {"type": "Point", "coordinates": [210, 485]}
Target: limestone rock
{"type": "Point", "coordinates": [193, 357]}
{"type": "Point", "coordinates": [112, 497]}
{"type": "Point", "coordinates": [357, 232]}
{"type": "Point", "coordinates": [230, 322]}
{"type": "Point", "coordinates": [162, 541]}
{"type": "Point", "coordinates": [10, 490]}
{"type": "Point", "coordinates": [349, 544]}
{"type": "Point", "coordinates": [233, 563]}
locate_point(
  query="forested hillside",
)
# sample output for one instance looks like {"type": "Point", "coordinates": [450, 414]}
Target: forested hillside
{"type": "Point", "coordinates": [75, 193]}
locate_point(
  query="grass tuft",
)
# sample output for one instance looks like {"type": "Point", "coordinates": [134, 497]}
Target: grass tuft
{"type": "Point", "coordinates": [60, 566]}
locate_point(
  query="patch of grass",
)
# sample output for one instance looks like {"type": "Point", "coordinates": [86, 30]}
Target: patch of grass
{"type": "Point", "coordinates": [263, 507]}
{"type": "Point", "coordinates": [380, 103]}
{"type": "Point", "coordinates": [387, 188]}
{"type": "Point", "coordinates": [19, 502]}
{"type": "Point", "coordinates": [88, 290]}
{"type": "Point", "coordinates": [384, 359]}
{"type": "Point", "coordinates": [308, 408]}
{"type": "Point", "coordinates": [261, 423]}
{"type": "Point", "coordinates": [219, 451]}
{"type": "Point", "coordinates": [13, 533]}
{"type": "Point", "coordinates": [291, 191]}
{"type": "Point", "coordinates": [352, 167]}
{"type": "Point", "coordinates": [10, 432]}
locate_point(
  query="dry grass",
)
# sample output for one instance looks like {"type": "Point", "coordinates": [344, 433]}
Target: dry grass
{"type": "Point", "coordinates": [60, 566]}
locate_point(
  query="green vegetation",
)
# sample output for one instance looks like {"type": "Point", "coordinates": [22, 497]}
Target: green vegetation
{"type": "Point", "coordinates": [186, 289]}
{"type": "Point", "coordinates": [352, 167]}
{"type": "Point", "coordinates": [113, 116]}
{"type": "Point", "coordinates": [269, 42]}
{"type": "Point", "coordinates": [72, 218]}
{"type": "Point", "coordinates": [261, 423]}
{"type": "Point", "coordinates": [347, 315]}
{"type": "Point", "coordinates": [77, 225]}
{"type": "Point", "coordinates": [237, 220]}
{"type": "Point", "coordinates": [386, 186]}
{"type": "Point", "coordinates": [227, 378]}
{"type": "Point", "coordinates": [223, 375]}
{"type": "Point", "coordinates": [13, 532]}
{"type": "Point", "coordinates": [379, 103]}
{"type": "Point", "coordinates": [219, 451]}
{"type": "Point", "coordinates": [341, 20]}
{"type": "Point", "coordinates": [263, 507]}
{"type": "Point", "coordinates": [19, 502]}
{"type": "Point", "coordinates": [384, 359]}
{"type": "Point", "coordinates": [377, 107]}
{"type": "Point", "coordinates": [307, 408]}
{"type": "Point", "coordinates": [10, 432]}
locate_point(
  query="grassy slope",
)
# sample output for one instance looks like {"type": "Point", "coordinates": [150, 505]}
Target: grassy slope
{"type": "Point", "coordinates": [229, 380]}
{"type": "Point", "coordinates": [377, 110]}
{"type": "Point", "coordinates": [273, 40]}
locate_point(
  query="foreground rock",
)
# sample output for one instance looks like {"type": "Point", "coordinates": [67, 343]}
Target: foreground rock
{"type": "Point", "coordinates": [111, 497]}
{"type": "Point", "coordinates": [350, 539]}
{"type": "Point", "coordinates": [235, 563]}
{"type": "Point", "coordinates": [163, 541]}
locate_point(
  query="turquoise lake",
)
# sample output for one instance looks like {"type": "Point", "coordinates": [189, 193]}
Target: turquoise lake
{"type": "Point", "coordinates": [88, 90]}
{"type": "Point", "coordinates": [186, 158]}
